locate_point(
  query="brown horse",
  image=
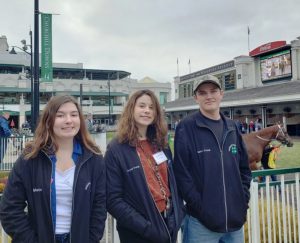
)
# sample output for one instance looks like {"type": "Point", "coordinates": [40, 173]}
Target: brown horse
{"type": "Point", "coordinates": [257, 141]}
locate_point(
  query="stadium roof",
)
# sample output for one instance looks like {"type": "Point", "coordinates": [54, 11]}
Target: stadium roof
{"type": "Point", "coordinates": [276, 93]}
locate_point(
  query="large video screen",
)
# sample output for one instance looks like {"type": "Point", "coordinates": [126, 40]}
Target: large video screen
{"type": "Point", "coordinates": [277, 65]}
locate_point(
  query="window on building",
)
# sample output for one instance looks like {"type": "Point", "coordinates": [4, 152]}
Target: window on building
{"type": "Point", "coordinates": [229, 81]}
{"type": "Point", "coordinates": [163, 97]}
{"type": "Point", "coordinates": [186, 89]}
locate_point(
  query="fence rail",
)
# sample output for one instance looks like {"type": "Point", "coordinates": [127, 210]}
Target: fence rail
{"type": "Point", "coordinates": [274, 210]}
{"type": "Point", "coordinates": [10, 149]}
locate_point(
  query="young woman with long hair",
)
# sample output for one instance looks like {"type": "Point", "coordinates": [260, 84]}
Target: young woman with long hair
{"type": "Point", "coordinates": [141, 189]}
{"type": "Point", "coordinates": [60, 178]}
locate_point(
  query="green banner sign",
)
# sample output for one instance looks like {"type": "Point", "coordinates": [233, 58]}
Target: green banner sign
{"type": "Point", "coordinates": [47, 69]}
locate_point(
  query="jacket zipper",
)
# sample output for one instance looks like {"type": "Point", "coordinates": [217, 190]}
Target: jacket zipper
{"type": "Point", "coordinates": [223, 173]}
{"type": "Point", "coordinates": [74, 187]}
{"type": "Point", "coordinates": [155, 203]}
{"type": "Point", "coordinates": [50, 196]}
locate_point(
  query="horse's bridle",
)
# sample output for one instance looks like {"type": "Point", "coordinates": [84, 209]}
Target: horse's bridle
{"type": "Point", "coordinates": [278, 132]}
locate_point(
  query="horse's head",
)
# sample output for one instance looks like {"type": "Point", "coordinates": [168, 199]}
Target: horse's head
{"type": "Point", "coordinates": [283, 137]}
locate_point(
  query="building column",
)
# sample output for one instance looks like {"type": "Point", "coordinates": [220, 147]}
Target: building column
{"type": "Point", "coordinates": [295, 59]}
{"type": "Point", "coordinates": [264, 116]}
{"type": "Point", "coordinates": [22, 115]}
{"type": "Point", "coordinates": [231, 112]}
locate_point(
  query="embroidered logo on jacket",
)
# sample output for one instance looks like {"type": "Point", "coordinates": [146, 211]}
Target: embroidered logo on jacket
{"type": "Point", "coordinates": [87, 185]}
{"type": "Point", "coordinates": [37, 189]}
{"type": "Point", "coordinates": [133, 168]}
{"type": "Point", "coordinates": [233, 149]}
{"type": "Point", "coordinates": [203, 150]}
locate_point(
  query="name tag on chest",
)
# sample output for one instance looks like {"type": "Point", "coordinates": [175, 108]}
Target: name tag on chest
{"type": "Point", "coordinates": [160, 157]}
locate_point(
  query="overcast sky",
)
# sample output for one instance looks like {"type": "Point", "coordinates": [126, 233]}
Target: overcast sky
{"type": "Point", "coordinates": [145, 37]}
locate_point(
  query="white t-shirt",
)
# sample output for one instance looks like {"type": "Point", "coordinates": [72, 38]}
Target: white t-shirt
{"type": "Point", "coordinates": [64, 193]}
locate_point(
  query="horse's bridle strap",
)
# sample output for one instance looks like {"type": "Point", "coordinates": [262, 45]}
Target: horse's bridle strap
{"type": "Point", "coordinates": [264, 139]}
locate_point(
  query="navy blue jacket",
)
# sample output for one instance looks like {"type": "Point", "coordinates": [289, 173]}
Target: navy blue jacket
{"type": "Point", "coordinates": [213, 178]}
{"type": "Point", "coordinates": [129, 199]}
{"type": "Point", "coordinates": [29, 183]}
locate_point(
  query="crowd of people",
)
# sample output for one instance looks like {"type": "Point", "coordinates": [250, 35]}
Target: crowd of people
{"type": "Point", "coordinates": [68, 186]}
{"type": "Point", "coordinates": [252, 126]}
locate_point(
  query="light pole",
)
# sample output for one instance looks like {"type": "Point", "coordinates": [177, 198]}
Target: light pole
{"type": "Point", "coordinates": [109, 113]}
{"type": "Point", "coordinates": [36, 83]}
{"type": "Point", "coordinates": [24, 49]}
{"type": "Point", "coordinates": [81, 96]}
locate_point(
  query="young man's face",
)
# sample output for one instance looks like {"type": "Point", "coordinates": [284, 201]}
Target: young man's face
{"type": "Point", "coordinates": [209, 97]}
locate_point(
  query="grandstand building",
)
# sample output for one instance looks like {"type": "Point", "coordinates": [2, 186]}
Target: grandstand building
{"type": "Point", "coordinates": [95, 86]}
{"type": "Point", "coordinates": [263, 85]}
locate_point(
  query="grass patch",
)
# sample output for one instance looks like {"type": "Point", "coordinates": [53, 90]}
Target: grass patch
{"type": "Point", "coordinates": [289, 157]}
{"type": "Point", "coordinates": [4, 173]}
{"type": "Point", "coordinates": [109, 136]}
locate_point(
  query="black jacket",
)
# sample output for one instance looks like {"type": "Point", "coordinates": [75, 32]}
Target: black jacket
{"type": "Point", "coordinates": [29, 185]}
{"type": "Point", "coordinates": [129, 199]}
{"type": "Point", "coordinates": [214, 178]}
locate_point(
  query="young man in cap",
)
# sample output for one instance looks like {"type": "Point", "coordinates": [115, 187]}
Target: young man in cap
{"type": "Point", "coordinates": [212, 170]}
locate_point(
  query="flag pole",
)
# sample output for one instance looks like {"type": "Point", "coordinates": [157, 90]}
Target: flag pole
{"type": "Point", "coordinates": [177, 68]}
{"type": "Point", "coordinates": [248, 39]}
{"type": "Point", "coordinates": [190, 66]}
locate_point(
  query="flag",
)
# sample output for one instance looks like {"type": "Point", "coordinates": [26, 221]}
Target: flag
{"type": "Point", "coordinates": [189, 61]}
{"type": "Point", "coordinates": [46, 55]}
{"type": "Point", "coordinates": [248, 30]}
{"type": "Point", "coordinates": [177, 60]}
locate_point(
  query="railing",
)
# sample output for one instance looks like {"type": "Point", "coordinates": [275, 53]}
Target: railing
{"type": "Point", "coordinates": [274, 210]}
{"type": "Point", "coordinates": [11, 148]}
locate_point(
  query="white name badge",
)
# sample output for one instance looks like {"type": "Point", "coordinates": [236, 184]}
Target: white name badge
{"type": "Point", "coordinates": [160, 157]}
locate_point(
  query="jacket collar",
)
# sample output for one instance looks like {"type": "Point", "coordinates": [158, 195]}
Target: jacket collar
{"type": "Point", "coordinates": [77, 152]}
{"type": "Point", "coordinates": [228, 123]}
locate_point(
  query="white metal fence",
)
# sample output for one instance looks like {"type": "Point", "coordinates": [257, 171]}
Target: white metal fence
{"type": "Point", "coordinates": [274, 210]}
{"type": "Point", "coordinates": [10, 149]}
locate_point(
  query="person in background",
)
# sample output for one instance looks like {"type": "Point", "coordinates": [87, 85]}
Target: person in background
{"type": "Point", "coordinates": [239, 125]}
{"type": "Point", "coordinates": [26, 124]}
{"type": "Point", "coordinates": [89, 122]}
{"type": "Point", "coordinates": [175, 124]}
{"type": "Point", "coordinates": [5, 133]}
{"type": "Point", "coordinates": [141, 188]}
{"type": "Point", "coordinates": [212, 170]}
{"type": "Point", "coordinates": [258, 124]}
{"type": "Point", "coordinates": [59, 179]}
{"type": "Point", "coordinates": [268, 160]}
{"type": "Point", "coordinates": [251, 126]}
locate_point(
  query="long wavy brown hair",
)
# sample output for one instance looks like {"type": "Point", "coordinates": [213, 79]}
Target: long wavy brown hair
{"type": "Point", "coordinates": [44, 138]}
{"type": "Point", "coordinates": [127, 129]}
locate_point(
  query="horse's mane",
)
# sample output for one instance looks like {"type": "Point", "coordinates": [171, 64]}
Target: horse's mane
{"type": "Point", "coordinates": [261, 132]}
